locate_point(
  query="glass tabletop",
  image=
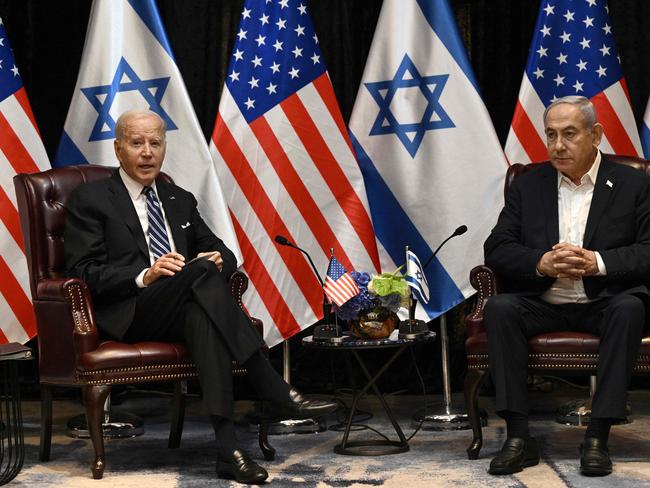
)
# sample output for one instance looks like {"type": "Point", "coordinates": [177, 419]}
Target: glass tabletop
{"type": "Point", "coordinates": [353, 342]}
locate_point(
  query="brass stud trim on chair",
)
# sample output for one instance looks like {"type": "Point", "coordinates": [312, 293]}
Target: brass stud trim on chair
{"type": "Point", "coordinates": [135, 379]}
{"type": "Point", "coordinates": [81, 322]}
{"type": "Point", "coordinates": [135, 368]}
{"type": "Point", "coordinates": [484, 282]}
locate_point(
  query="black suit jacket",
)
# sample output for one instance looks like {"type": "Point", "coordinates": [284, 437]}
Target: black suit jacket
{"type": "Point", "coordinates": [105, 245]}
{"type": "Point", "coordinates": [618, 227]}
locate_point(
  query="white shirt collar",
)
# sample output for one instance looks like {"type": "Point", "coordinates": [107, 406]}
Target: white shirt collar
{"type": "Point", "coordinates": [133, 187]}
{"type": "Point", "coordinates": [588, 176]}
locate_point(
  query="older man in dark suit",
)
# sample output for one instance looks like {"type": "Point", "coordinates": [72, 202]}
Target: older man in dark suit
{"type": "Point", "coordinates": [572, 245]}
{"type": "Point", "coordinates": [131, 238]}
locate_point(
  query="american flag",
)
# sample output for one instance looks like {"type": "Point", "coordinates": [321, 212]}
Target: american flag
{"type": "Point", "coordinates": [573, 52]}
{"type": "Point", "coordinates": [645, 131]}
{"type": "Point", "coordinates": [21, 151]}
{"type": "Point", "coordinates": [286, 165]}
{"type": "Point", "coordinates": [339, 285]}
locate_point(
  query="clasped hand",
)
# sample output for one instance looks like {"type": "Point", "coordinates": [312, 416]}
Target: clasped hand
{"type": "Point", "coordinates": [171, 263]}
{"type": "Point", "coordinates": [566, 260]}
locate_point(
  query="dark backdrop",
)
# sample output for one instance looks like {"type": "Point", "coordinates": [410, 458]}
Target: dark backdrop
{"type": "Point", "coordinates": [48, 35]}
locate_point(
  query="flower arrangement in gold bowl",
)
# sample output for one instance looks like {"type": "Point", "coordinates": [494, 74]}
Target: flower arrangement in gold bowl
{"type": "Point", "coordinates": [371, 314]}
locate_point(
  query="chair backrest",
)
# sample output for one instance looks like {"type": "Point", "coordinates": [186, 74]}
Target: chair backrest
{"type": "Point", "coordinates": [41, 204]}
{"type": "Point", "coordinates": [519, 169]}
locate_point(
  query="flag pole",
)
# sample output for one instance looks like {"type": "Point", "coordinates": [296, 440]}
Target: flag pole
{"type": "Point", "coordinates": [328, 331]}
{"type": "Point", "coordinates": [411, 328]}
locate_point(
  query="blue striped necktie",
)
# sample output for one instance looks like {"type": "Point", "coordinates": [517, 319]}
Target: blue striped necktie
{"type": "Point", "coordinates": [158, 239]}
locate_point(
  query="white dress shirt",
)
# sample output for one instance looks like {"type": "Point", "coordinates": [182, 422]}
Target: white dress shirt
{"type": "Point", "coordinates": [139, 200]}
{"type": "Point", "coordinates": [573, 206]}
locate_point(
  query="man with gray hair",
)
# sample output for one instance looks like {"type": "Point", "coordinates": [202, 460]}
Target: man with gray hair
{"type": "Point", "coordinates": [572, 247]}
{"type": "Point", "coordinates": [157, 272]}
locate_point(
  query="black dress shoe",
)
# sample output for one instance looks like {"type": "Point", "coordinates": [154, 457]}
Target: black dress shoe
{"type": "Point", "coordinates": [239, 467]}
{"type": "Point", "coordinates": [594, 458]}
{"type": "Point", "coordinates": [515, 455]}
{"type": "Point", "coordinates": [298, 407]}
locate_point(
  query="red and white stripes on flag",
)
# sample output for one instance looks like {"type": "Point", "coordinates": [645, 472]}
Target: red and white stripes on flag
{"type": "Point", "coordinates": [288, 169]}
{"type": "Point", "coordinates": [573, 52]}
{"type": "Point", "coordinates": [339, 286]}
{"type": "Point", "coordinates": [21, 151]}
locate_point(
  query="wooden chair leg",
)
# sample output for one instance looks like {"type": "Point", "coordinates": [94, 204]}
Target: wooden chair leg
{"type": "Point", "coordinates": [473, 380]}
{"type": "Point", "coordinates": [178, 415]}
{"type": "Point", "coordinates": [94, 398]}
{"type": "Point", "coordinates": [263, 436]}
{"type": "Point", "coordinates": [46, 423]}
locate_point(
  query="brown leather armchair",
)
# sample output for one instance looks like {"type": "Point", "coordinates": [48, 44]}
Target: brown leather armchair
{"type": "Point", "coordinates": [569, 352]}
{"type": "Point", "coordinates": [71, 351]}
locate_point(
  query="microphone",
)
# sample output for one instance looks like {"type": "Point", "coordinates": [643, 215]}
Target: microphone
{"type": "Point", "coordinates": [413, 328]}
{"type": "Point", "coordinates": [458, 232]}
{"type": "Point", "coordinates": [283, 241]}
{"type": "Point", "coordinates": [325, 332]}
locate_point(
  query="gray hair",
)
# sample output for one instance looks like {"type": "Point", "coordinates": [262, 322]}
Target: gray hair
{"type": "Point", "coordinates": [129, 115]}
{"type": "Point", "coordinates": [584, 105]}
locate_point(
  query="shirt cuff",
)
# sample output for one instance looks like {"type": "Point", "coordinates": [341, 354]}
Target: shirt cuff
{"type": "Point", "coordinates": [139, 280]}
{"type": "Point", "coordinates": [602, 270]}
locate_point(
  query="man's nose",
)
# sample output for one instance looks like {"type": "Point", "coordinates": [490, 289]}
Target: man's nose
{"type": "Point", "coordinates": [559, 143]}
{"type": "Point", "coordinates": [146, 149]}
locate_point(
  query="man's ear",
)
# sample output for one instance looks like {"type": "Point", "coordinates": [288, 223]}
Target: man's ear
{"type": "Point", "coordinates": [597, 131]}
{"type": "Point", "coordinates": [116, 149]}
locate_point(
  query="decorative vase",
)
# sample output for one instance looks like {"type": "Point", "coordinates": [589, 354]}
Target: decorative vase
{"type": "Point", "coordinates": [377, 323]}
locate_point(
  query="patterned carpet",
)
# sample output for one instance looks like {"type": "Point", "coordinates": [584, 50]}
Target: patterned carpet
{"type": "Point", "coordinates": [436, 459]}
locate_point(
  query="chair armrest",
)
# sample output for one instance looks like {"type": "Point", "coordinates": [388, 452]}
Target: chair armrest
{"type": "Point", "coordinates": [484, 282]}
{"type": "Point", "coordinates": [69, 300]}
{"type": "Point", "coordinates": [238, 285]}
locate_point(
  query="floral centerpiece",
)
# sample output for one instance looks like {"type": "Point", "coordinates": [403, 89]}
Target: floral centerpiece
{"type": "Point", "coordinates": [372, 312]}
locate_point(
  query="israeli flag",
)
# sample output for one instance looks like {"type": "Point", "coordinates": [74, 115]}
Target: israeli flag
{"type": "Point", "coordinates": [127, 64]}
{"type": "Point", "coordinates": [645, 132]}
{"type": "Point", "coordinates": [428, 152]}
{"type": "Point", "coordinates": [416, 278]}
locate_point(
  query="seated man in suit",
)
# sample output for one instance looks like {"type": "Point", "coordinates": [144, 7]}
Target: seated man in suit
{"type": "Point", "coordinates": [130, 238]}
{"type": "Point", "coordinates": [572, 245]}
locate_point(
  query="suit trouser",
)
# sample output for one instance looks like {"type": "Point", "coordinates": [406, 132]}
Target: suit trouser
{"type": "Point", "coordinates": [195, 306]}
{"type": "Point", "coordinates": [511, 320]}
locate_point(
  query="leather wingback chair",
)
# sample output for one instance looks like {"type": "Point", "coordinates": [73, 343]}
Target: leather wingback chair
{"type": "Point", "coordinates": [71, 350]}
{"type": "Point", "coordinates": [556, 352]}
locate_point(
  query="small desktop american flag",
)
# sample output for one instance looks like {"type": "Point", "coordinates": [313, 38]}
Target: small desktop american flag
{"type": "Point", "coordinates": [339, 285]}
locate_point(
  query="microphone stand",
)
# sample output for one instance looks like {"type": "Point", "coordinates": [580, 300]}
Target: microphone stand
{"type": "Point", "coordinates": [327, 331]}
{"type": "Point", "coordinates": [446, 416]}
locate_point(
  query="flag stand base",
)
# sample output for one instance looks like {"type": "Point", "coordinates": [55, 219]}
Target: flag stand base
{"type": "Point", "coordinates": [329, 333]}
{"type": "Point", "coordinates": [412, 329]}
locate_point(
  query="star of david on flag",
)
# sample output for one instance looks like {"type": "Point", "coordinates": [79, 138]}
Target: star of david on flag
{"type": "Point", "coordinates": [415, 277]}
{"type": "Point", "coordinates": [127, 64]}
{"type": "Point", "coordinates": [430, 88]}
{"type": "Point", "coordinates": [125, 80]}
{"type": "Point", "coordinates": [573, 52]}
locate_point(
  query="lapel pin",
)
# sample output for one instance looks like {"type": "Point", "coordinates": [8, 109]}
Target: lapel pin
{"type": "Point", "coordinates": [172, 197]}
{"type": "Point", "coordinates": [610, 184]}
{"type": "Point", "coordinates": [185, 226]}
